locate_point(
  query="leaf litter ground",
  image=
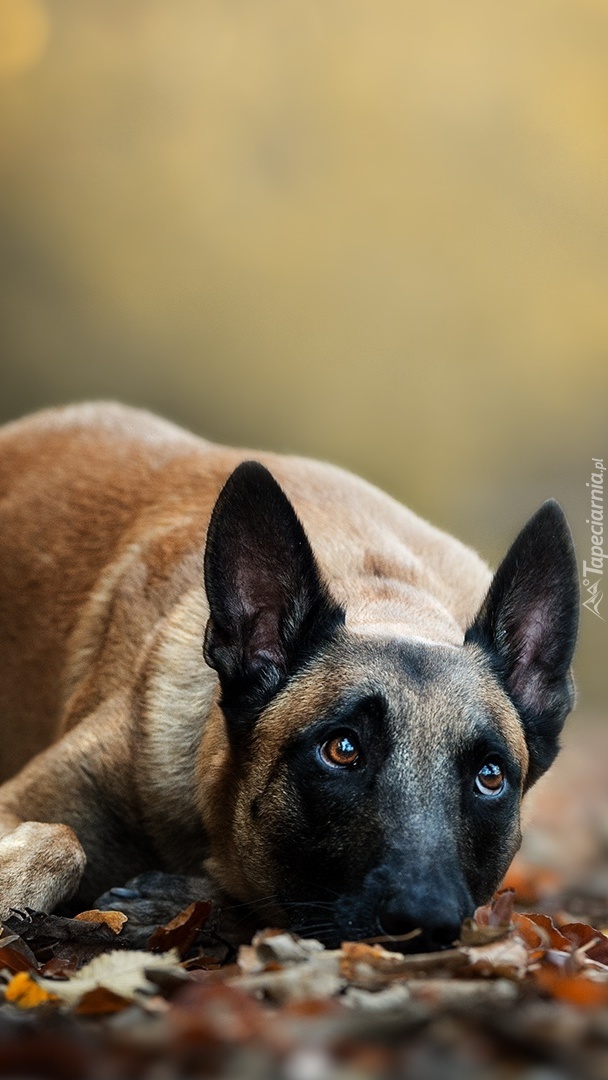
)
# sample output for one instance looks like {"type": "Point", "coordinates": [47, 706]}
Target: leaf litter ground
{"type": "Point", "coordinates": [524, 993]}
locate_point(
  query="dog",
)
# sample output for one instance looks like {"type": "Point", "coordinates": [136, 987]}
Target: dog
{"type": "Point", "coordinates": [261, 673]}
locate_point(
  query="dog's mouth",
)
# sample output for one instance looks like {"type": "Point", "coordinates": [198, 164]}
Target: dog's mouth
{"type": "Point", "coordinates": [416, 941]}
{"type": "Point", "coordinates": [354, 918]}
{"type": "Point", "coordinates": [332, 934]}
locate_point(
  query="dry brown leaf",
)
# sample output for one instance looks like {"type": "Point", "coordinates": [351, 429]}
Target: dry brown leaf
{"type": "Point", "coordinates": [60, 967]}
{"type": "Point", "coordinates": [471, 933]}
{"type": "Point", "coordinates": [550, 936]}
{"type": "Point", "coordinates": [273, 949]}
{"type": "Point", "coordinates": [370, 966]}
{"type": "Point", "coordinates": [316, 977]}
{"type": "Point", "coordinates": [114, 919]}
{"type": "Point", "coordinates": [490, 922]}
{"type": "Point", "coordinates": [572, 989]}
{"type": "Point", "coordinates": [16, 955]}
{"type": "Point", "coordinates": [534, 937]}
{"type": "Point", "coordinates": [181, 931]}
{"type": "Point", "coordinates": [581, 934]}
{"type": "Point", "coordinates": [324, 973]}
{"type": "Point", "coordinates": [508, 957]}
{"type": "Point", "coordinates": [101, 1002]}
{"type": "Point", "coordinates": [57, 937]}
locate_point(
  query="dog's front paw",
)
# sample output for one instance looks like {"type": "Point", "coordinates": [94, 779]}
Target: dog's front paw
{"type": "Point", "coordinates": [41, 864]}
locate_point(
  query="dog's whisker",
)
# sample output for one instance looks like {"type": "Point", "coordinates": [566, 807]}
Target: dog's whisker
{"type": "Point", "coordinates": [315, 905]}
{"type": "Point", "coordinates": [261, 900]}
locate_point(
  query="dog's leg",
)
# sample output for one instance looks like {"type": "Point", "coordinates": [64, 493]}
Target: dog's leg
{"type": "Point", "coordinates": [67, 822]}
{"type": "Point", "coordinates": [41, 864]}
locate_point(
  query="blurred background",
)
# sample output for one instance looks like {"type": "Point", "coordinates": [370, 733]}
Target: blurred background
{"type": "Point", "coordinates": [375, 233]}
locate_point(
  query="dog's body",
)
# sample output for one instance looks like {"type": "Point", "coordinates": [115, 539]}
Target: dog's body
{"type": "Point", "coordinates": [327, 752]}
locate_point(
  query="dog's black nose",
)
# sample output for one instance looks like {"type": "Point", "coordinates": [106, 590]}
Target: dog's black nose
{"type": "Point", "coordinates": [439, 927]}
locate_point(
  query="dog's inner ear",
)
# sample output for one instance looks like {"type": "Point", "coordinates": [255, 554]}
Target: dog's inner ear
{"type": "Point", "coordinates": [528, 623]}
{"type": "Point", "coordinates": [269, 608]}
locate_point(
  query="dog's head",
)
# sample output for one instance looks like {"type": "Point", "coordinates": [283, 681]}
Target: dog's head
{"type": "Point", "coordinates": [365, 785]}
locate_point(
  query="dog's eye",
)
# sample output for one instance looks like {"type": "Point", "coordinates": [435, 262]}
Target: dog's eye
{"type": "Point", "coordinates": [490, 779]}
{"type": "Point", "coordinates": [341, 751]}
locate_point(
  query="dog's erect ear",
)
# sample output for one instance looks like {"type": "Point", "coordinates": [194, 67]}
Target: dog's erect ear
{"type": "Point", "coordinates": [269, 608]}
{"type": "Point", "coordinates": [528, 624]}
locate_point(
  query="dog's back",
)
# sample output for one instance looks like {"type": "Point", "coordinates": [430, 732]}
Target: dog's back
{"type": "Point", "coordinates": [103, 516]}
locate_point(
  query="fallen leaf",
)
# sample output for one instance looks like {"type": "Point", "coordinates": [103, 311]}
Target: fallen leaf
{"type": "Point", "coordinates": [499, 912]}
{"type": "Point", "coordinates": [15, 954]}
{"type": "Point", "coordinates": [123, 972]}
{"type": "Point", "coordinates": [490, 922]}
{"type": "Point", "coordinates": [316, 979]}
{"type": "Point", "coordinates": [371, 967]}
{"type": "Point", "coordinates": [368, 966]}
{"type": "Point", "coordinates": [540, 932]}
{"type": "Point", "coordinates": [60, 967]}
{"type": "Point", "coordinates": [581, 934]}
{"type": "Point", "coordinates": [114, 919]}
{"type": "Point", "coordinates": [101, 1002]}
{"type": "Point", "coordinates": [26, 992]}
{"type": "Point", "coordinates": [534, 937]}
{"type": "Point", "coordinates": [557, 938]}
{"type": "Point", "coordinates": [316, 973]}
{"type": "Point", "coordinates": [181, 931]}
{"type": "Point", "coordinates": [508, 957]}
{"type": "Point", "coordinates": [573, 989]}
{"type": "Point", "coordinates": [50, 936]}
{"type": "Point", "coordinates": [275, 949]}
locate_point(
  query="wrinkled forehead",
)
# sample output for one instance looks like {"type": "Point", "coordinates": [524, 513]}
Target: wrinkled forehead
{"type": "Point", "coordinates": [444, 697]}
{"type": "Point", "coordinates": [441, 689]}
{"type": "Point", "coordinates": [429, 694]}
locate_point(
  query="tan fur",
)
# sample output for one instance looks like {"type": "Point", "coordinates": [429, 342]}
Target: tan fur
{"type": "Point", "coordinates": [103, 517]}
{"type": "Point", "coordinates": [508, 723]}
{"type": "Point", "coordinates": [239, 852]}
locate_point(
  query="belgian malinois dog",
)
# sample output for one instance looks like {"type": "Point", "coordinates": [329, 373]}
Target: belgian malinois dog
{"type": "Point", "coordinates": [265, 673]}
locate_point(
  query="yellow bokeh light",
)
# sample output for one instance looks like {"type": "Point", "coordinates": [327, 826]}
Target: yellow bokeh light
{"type": "Point", "coordinates": [24, 33]}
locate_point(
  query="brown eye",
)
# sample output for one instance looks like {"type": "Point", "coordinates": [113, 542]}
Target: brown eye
{"type": "Point", "coordinates": [341, 751]}
{"type": "Point", "coordinates": [490, 779]}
